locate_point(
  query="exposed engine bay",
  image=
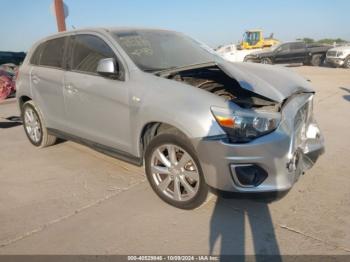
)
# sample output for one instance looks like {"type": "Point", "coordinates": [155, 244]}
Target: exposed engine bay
{"type": "Point", "coordinates": [214, 80]}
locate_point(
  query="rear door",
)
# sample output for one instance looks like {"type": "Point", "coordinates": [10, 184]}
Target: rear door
{"type": "Point", "coordinates": [46, 79]}
{"type": "Point", "coordinates": [97, 107]}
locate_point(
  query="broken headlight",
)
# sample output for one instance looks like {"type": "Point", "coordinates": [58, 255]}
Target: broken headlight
{"type": "Point", "coordinates": [244, 126]}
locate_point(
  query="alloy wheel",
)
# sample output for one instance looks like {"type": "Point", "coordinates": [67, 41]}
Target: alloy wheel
{"type": "Point", "coordinates": [175, 172]}
{"type": "Point", "coordinates": [32, 125]}
{"type": "Point", "coordinates": [265, 61]}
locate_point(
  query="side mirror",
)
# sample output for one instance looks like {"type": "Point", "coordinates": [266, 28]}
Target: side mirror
{"type": "Point", "coordinates": [108, 67]}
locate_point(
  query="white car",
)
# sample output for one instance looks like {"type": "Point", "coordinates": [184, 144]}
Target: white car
{"type": "Point", "coordinates": [232, 54]}
{"type": "Point", "coordinates": [159, 98]}
{"type": "Point", "coordinates": [339, 56]}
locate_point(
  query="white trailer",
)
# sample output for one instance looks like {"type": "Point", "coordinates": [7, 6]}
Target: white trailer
{"type": "Point", "coordinates": [232, 54]}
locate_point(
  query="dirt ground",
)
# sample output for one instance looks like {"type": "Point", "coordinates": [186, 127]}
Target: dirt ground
{"type": "Point", "coordinates": [69, 199]}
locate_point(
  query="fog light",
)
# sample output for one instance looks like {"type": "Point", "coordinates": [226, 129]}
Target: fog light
{"type": "Point", "coordinates": [249, 175]}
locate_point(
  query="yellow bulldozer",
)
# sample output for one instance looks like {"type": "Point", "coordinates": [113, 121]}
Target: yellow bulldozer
{"type": "Point", "coordinates": [253, 39]}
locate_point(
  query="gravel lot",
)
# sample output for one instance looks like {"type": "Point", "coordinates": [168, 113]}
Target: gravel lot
{"type": "Point", "coordinates": [69, 199]}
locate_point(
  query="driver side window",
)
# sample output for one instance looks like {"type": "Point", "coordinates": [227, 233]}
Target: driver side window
{"type": "Point", "coordinates": [88, 50]}
{"type": "Point", "coordinates": [283, 48]}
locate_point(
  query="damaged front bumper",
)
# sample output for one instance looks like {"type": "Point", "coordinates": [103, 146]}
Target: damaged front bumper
{"type": "Point", "coordinates": [336, 61]}
{"type": "Point", "coordinates": [273, 162]}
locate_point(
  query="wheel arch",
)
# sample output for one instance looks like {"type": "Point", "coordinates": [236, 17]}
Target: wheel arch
{"type": "Point", "coordinates": [23, 99]}
{"type": "Point", "coordinates": [152, 129]}
{"type": "Point", "coordinates": [345, 61]}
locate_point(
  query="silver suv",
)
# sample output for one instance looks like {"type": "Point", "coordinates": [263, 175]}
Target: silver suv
{"type": "Point", "coordinates": [162, 99]}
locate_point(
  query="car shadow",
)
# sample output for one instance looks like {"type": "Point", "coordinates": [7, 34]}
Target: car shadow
{"type": "Point", "coordinates": [346, 97]}
{"type": "Point", "coordinates": [10, 122]}
{"type": "Point", "coordinates": [60, 141]}
{"type": "Point", "coordinates": [235, 214]}
{"type": "Point", "coordinates": [5, 125]}
{"type": "Point", "coordinates": [13, 121]}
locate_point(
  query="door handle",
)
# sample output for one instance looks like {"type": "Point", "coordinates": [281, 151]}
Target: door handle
{"type": "Point", "coordinates": [71, 89]}
{"type": "Point", "coordinates": [35, 79]}
{"type": "Point", "coordinates": [136, 99]}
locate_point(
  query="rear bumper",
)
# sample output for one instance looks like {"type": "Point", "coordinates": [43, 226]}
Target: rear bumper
{"type": "Point", "coordinates": [280, 154]}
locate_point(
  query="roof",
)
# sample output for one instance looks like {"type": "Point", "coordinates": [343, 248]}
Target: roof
{"type": "Point", "coordinates": [101, 30]}
{"type": "Point", "coordinates": [108, 29]}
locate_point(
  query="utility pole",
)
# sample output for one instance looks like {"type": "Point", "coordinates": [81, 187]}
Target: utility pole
{"type": "Point", "coordinates": [60, 15]}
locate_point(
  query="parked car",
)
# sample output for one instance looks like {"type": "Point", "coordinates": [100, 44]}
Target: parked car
{"type": "Point", "coordinates": [12, 57]}
{"type": "Point", "coordinates": [7, 80]}
{"type": "Point", "coordinates": [289, 53]}
{"type": "Point", "coordinates": [159, 98]}
{"type": "Point", "coordinates": [339, 56]}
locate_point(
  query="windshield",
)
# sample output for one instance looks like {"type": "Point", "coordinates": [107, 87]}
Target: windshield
{"type": "Point", "coordinates": [153, 50]}
{"type": "Point", "coordinates": [252, 37]}
{"type": "Point", "coordinates": [274, 47]}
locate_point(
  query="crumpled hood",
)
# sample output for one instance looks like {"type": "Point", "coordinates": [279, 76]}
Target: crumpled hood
{"type": "Point", "coordinates": [273, 82]}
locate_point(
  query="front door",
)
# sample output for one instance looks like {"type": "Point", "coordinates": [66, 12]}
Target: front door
{"type": "Point", "coordinates": [97, 107]}
{"type": "Point", "coordinates": [298, 52]}
{"type": "Point", "coordinates": [282, 55]}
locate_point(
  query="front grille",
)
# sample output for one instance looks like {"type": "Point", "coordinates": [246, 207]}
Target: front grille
{"type": "Point", "coordinates": [332, 53]}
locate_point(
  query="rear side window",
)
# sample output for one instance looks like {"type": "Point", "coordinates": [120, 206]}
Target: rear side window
{"type": "Point", "coordinates": [88, 50]}
{"type": "Point", "coordinates": [52, 54]}
{"type": "Point", "coordinates": [35, 59]}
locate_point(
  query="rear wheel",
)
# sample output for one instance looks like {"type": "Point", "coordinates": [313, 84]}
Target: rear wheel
{"type": "Point", "coordinates": [34, 126]}
{"type": "Point", "coordinates": [317, 60]}
{"type": "Point", "coordinates": [174, 172]}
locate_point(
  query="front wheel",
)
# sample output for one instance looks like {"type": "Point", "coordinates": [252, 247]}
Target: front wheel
{"type": "Point", "coordinates": [266, 61]}
{"type": "Point", "coordinates": [347, 62]}
{"type": "Point", "coordinates": [174, 172]}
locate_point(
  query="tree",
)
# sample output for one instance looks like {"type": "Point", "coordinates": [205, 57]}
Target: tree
{"type": "Point", "coordinates": [328, 41]}
{"type": "Point", "coordinates": [306, 40]}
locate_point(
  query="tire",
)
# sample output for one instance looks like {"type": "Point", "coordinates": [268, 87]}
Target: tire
{"type": "Point", "coordinates": [34, 126]}
{"type": "Point", "coordinates": [166, 170]}
{"type": "Point", "coordinates": [317, 60]}
{"type": "Point", "coordinates": [266, 61]}
{"type": "Point", "coordinates": [347, 62]}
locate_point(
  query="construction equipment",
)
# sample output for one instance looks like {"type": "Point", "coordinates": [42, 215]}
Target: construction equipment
{"type": "Point", "coordinates": [253, 39]}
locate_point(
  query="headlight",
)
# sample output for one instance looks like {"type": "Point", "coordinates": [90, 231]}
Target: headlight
{"type": "Point", "coordinates": [339, 54]}
{"type": "Point", "coordinates": [244, 126]}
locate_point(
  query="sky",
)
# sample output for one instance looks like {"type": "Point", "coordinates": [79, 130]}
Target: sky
{"type": "Point", "coordinates": [212, 22]}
